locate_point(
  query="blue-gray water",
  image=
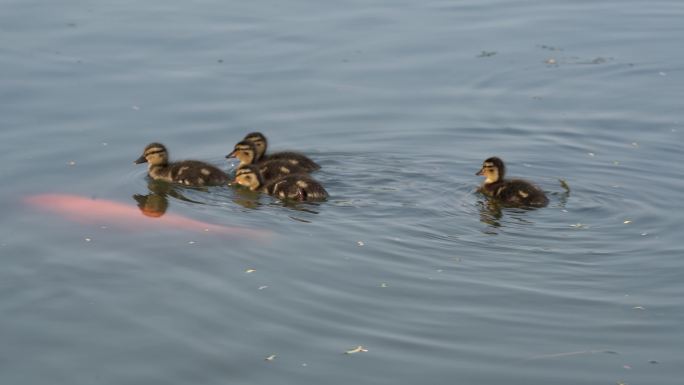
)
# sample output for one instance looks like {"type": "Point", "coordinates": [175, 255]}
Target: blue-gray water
{"type": "Point", "coordinates": [400, 101]}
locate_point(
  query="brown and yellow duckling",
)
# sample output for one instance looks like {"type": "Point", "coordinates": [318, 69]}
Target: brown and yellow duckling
{"type": "Point", "coordinates": [246, 153]}
{"type": "Point", "coordinates": [515, 192]}
{"type": "Point", "coordinates": [298, 187]}
{"type": "Point", "coordinates": [187, 172]}
{"type": "Point", "coordinates": [295, 158]}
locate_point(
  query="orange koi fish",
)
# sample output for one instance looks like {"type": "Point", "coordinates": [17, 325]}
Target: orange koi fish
{"type": "Point", "coordinates": [104, 212]}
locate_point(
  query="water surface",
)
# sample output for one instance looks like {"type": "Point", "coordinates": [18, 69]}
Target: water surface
{"type": "Point", "coordinates": [400, 102]}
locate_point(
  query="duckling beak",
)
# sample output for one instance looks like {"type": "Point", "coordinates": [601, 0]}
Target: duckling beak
{"type": "Point", "coordinates": [140, 160]}
{"type": "Point", "coordinates": [481, 172]}
{"type": "Point", "coordinates": [231, 155]}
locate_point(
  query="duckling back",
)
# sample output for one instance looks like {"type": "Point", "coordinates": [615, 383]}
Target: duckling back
{"type": "Point", "coordinates": [294, 158]}
{"type": "Point", "coordinates": [516, 192]}
{"type": "Point", "coordinates": [196, 173]}
{"type": "Point", "coordinates": [278, 168]}
{"type": "Point", "coordinates": [298, 187]}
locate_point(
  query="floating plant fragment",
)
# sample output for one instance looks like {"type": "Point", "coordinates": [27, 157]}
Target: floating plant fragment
{"type": "Point", "coordinates": [358, 349]}
{"type": "Point", "coordinates": [564, 184]}
{"type": "Point", "coordinates": [270, 358]}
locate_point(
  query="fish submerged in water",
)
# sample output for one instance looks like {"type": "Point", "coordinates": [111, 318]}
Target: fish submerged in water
{"type": "Point", "coordinates": [105, 212]}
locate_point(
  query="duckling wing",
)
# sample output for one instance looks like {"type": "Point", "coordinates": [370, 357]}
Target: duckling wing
{"type": "Point", "coordinates": [298, 187]}
{"type": "Point", "coordinates": [196, 173]}
{"type": "Point", "coordinates": [521, 192]}
{"type": "Point", "coordinates": [278, 168]}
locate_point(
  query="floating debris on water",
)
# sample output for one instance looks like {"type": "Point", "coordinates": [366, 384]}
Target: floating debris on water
{"type": "Point", "coordinates": [579, 226]}
{"type": "Point", "coordinates": [88, 239]}
{"type": "Point", "coordinates": [71, 163]}
{"type": "Point", "coordinates": [635, 144]}
{"type": "Point", "coordinates": [591, 154]}
{"type": "Point", "coordinates": [358, 349]}
{"type": "Point", "coordinates": [250, 271]}
{"type": "Point", "coordinates": [627, 222]}
{"type": "Point", "coordinates": [270, 358]}
{"type": "Point", "coordinates": [263, 287]}
{"type": "Point", "coordinates": [360, 243]}
{"type": "Point", "coordinates": [662, 73]}
{"type": "Point", "coordinates": [487, 54]}
{"type": "Point", "coordinates": [571, 354]}
{"type": "Point", "coordinates": [551, 61]}
{"type": "Point", "coordinates": [383, 284]}
{"type": "Point", "coordinates": [639, 308]}
{"type": "Point", "coordinates": [564, 184]}
{"type": "Point", "coordinates": [191, 242]}
{"type": "Point", "coordinates": [627, 367]}
{"type": "Point", "coordinates": [549, 48]}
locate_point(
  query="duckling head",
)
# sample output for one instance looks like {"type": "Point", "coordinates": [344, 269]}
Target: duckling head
{"type": "Point", "coordinates": [493, 169]}
{"type": "Point", "coordinates": [155, 154]}
{"type": "Point", "coordinates": [249, 177]}
{"type": "Point", "coordinates": [259, 141]}
{"type": "Point", "coordinates": [245, 152]}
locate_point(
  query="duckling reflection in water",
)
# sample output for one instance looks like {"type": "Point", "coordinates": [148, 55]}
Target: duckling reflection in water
{"type": "Point", "coordinates": [187, 172]}
{"type": "Point", "coordinates": [298, 187]}
{"type": "Point", "coordinates": [246, 152]}
{"type": "Point", "coordinates": [294, 158]}
{"type": "Point", "coordinates": [156, 202]}
{"type": "Point", "coordinates": [152, 205]}
{"type": "Point", "coordinates": [513, 192]}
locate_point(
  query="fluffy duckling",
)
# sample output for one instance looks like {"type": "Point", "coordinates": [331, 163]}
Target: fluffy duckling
{"type": "Point", "coordinates": [187, 172]}
{"type": "Point", "coordinates": [514, 192]}
{"type": "Point", "coordinates": [295, 158]}
{"type": "Point", "coordinates": [299, 187]}
{"type": "Point", "coordinates": [246, 153]}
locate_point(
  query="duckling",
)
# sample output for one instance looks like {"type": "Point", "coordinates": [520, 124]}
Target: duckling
{"type": "Point", "coordinates": [299, 187]}
{"type": "Point", "coordinates": [246, 153]}
{"type": "Point", "coordinates": [295, 158]}
{"type": "Point", "coordinates": [187, 172]}
{"type": "Point", "coordinates": [514, 192]}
